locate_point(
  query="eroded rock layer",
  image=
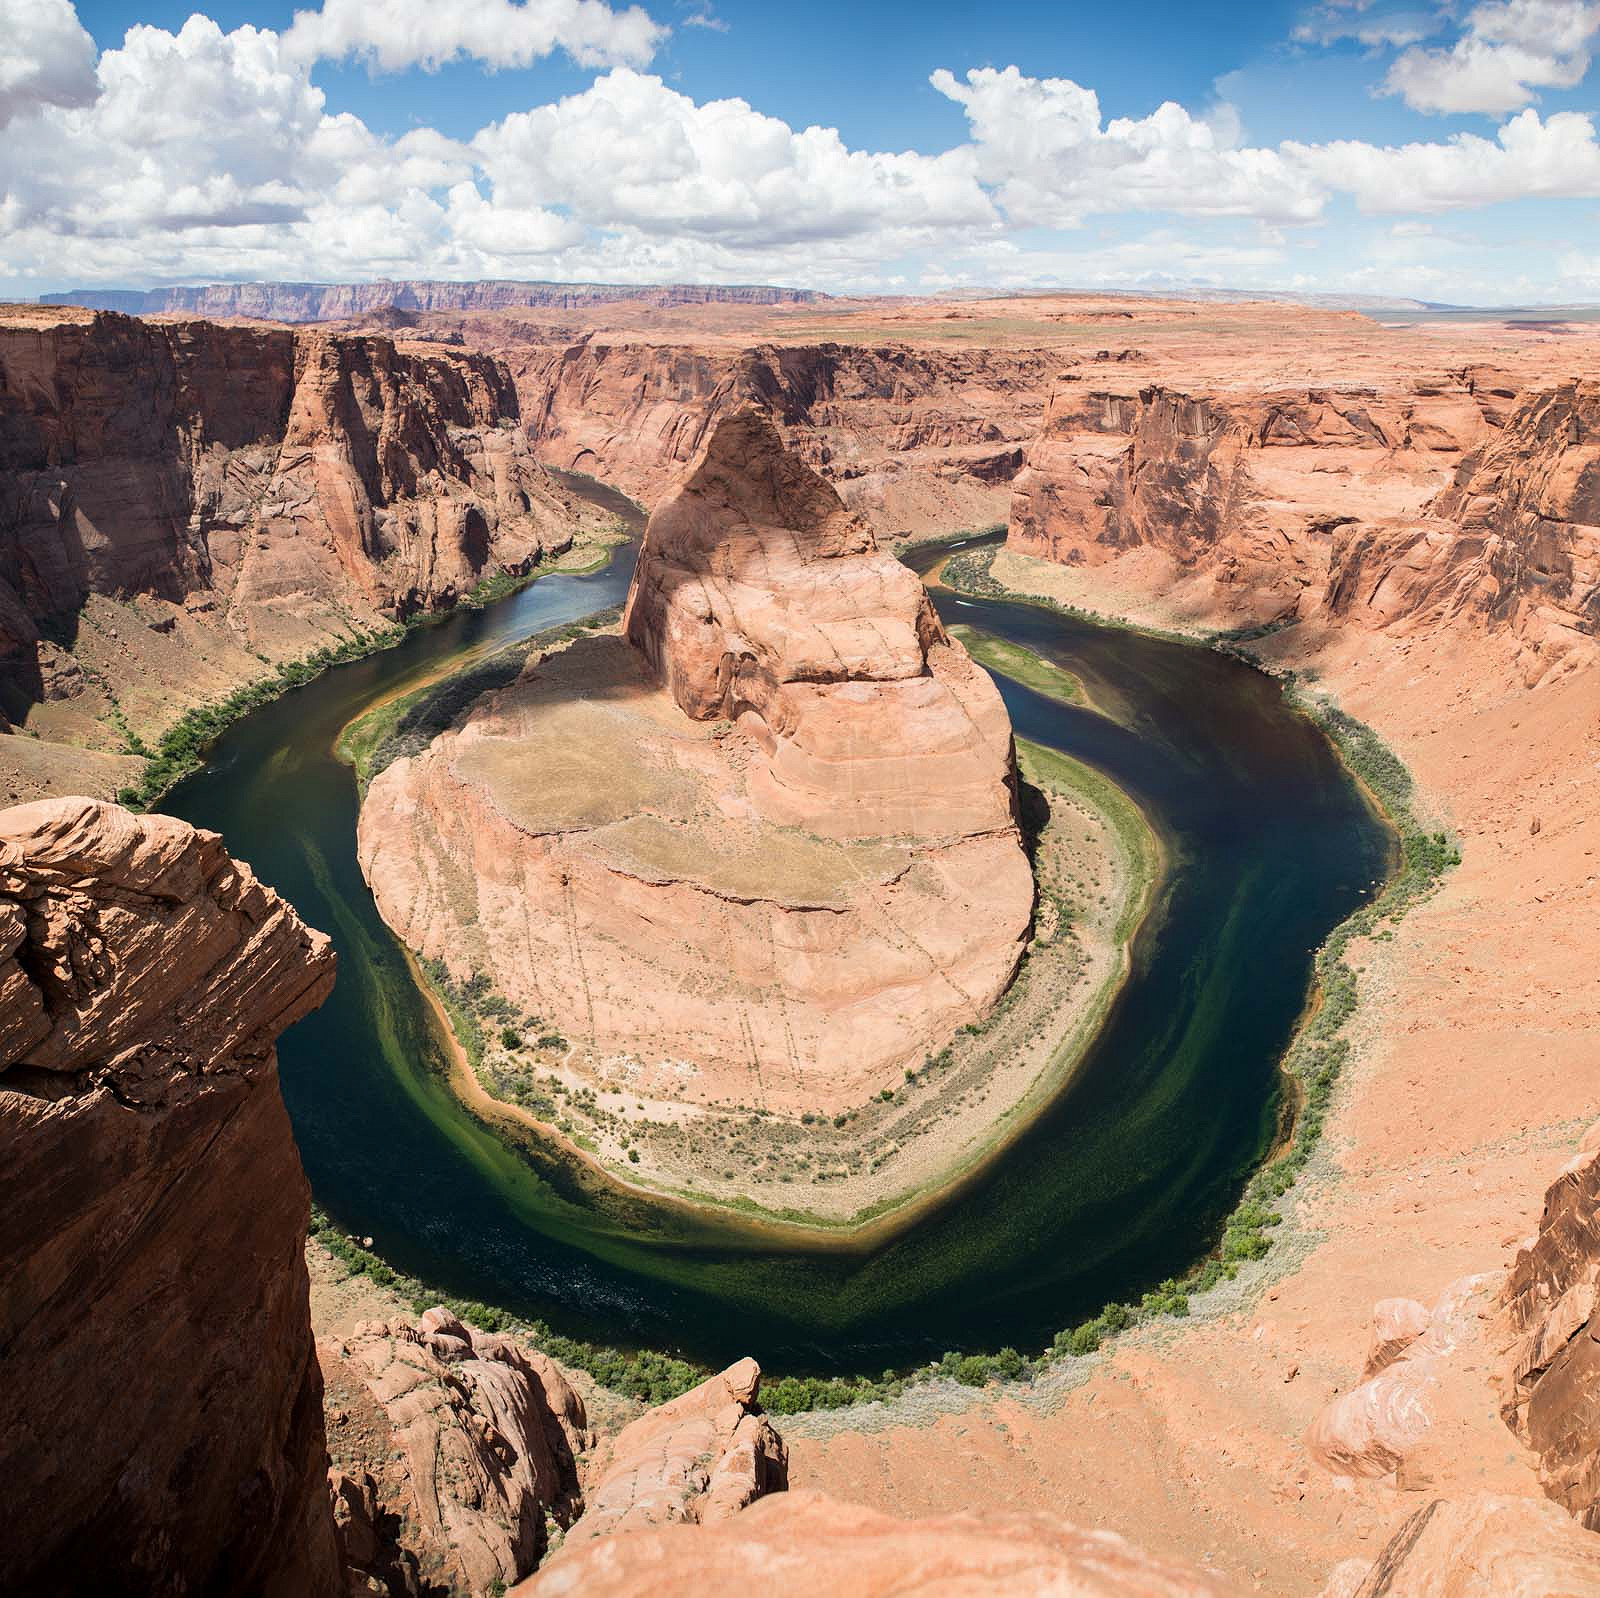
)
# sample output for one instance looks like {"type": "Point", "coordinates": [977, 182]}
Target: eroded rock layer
{"type": "Point", "coordinates": [1456, 501]}
{"type": "Point", "coordinates": [1552, 1296]}
{"type": "Point", "coordinates": [701, 1457]}
{"type": "Point", "coordinates": [768, 849]}
{"type": "Point", "coordinates": [245, 492]}
{"type": "Point", "coordinates": [455, 1451]}
{"type": "Point", "coordinates": [161, 1421]}
{"type": "Point", "coordinates": [803, 1543]}
{"type": "Point", "coordinates": [913, 439]}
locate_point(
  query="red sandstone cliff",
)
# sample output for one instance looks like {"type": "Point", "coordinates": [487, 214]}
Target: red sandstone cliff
{"type": "Point", "coordinates": [1453, 503]}
{"type": "Point", "coordinates": [161, 1422]}
{"type": "Point", "coordinates": [915, 439]}
{"type": "Point", "coordinates": [246, 491]}
{"type": "Point", "coordinates": [1513, 542]}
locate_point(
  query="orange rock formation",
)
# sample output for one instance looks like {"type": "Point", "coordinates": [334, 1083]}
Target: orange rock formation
{"type": "Point", "coordinates": [802, 1543]}
{"type": "Point", "coordinates": [790, 870]}
{"type": "Point", "coordinates": [179, 501]}
{"type": "Point", "coordinates": [161, 1417]}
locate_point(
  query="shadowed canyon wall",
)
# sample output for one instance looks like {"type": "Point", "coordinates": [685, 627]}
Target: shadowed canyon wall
{"type": "Point", "coordinates": [912, 438]}
{"type": "Point", "coordinates": [250, 492]}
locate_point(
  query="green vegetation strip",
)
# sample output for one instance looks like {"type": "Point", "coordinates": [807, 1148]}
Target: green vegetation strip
{"type": "Point", "coordinates": [181, 748]}
{"type": "Point", "coordinates": [1022, 665]}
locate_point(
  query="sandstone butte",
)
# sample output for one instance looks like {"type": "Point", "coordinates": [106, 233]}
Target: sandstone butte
{"type": "Point", "coordinates": [765, 844]}
{"type": "Point", "coordinates": [183, 504]}
{"type": "Point", "coordinates": [1417, 1240]}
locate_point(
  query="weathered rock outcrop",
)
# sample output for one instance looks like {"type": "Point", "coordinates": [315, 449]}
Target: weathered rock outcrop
{"type": "Point", "coordinates": [1513, 542]}
{"type": "Point", "coordinates": [1453, 505]}
{"type": "Point", "coordinates": [1245, 489]}
{"type": "Point", "coordinates": [1553, 1302]}
{"type": "Point", "coordinates": [802, 1543]}
{"type": "Point", "coordinates": [326, 302]}
{"type": "Point", "coordinates": [255, 490]}
{"type": "Point", "coordinates": [760, 599]}
{"type": "Point", "coordinates": [1376, 1427]}
{"type": "Point", "coordinates": [911, 438]}
{"type": "Point", "coordinates": [796, 897]}
{"type": "Point", "coordinates": [161, 1424]}
{"type": "Point", "coordinates": [1484, 1546]}
{"type": "Point", "coordinates": [456, 1450]}
{"type": "Point", "coordinates": [702, 1457]}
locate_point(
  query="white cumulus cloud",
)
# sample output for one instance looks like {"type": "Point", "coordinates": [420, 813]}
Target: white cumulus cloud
{"type": "Point", "coordinates": [630, 151]}
{"type": "Point", "coordinates": [500, 33]}
{"type": "Point", "coordinates": [1052, 159]}
{"type": "Point", "coordinates": [202, 154]}
{"type": "Point", "coordinates": [1509, 51]}
{"type": "Point", "coordinates": [1554, 158]}
{"type": "Point", "coordinates": [46, 57]}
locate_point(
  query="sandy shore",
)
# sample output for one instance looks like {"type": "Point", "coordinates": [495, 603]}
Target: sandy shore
{"type": "Point", "coordinates": [1477, 1066]}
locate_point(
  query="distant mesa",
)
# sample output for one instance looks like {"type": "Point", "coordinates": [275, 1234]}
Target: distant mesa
{"type": "Point", "coordinates": [327, 302]}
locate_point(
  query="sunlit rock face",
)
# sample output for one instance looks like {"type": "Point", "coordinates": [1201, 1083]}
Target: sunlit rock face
{"type": "Point", "coordinates": [764, 843]}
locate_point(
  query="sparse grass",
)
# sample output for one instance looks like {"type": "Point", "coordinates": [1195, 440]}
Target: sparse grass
{"type": "Point", "coordinates": [182, 747]}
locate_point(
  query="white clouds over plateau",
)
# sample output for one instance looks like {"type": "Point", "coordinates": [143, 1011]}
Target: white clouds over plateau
{"type": "Point", "coordinates": [209, 154]}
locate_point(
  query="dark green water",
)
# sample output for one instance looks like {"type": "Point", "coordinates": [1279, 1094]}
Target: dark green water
{"type": "Point", "coordinates": [1122, 1181]}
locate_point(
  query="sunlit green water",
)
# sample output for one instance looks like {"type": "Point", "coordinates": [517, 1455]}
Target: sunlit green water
{"type": "Point", "coordinates": [1122, 1181]}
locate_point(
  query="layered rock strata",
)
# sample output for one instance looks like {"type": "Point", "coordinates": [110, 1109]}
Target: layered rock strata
{"type": "Point", "coordinates": [161, 1423]}
{"type": "Point", "coordinates": [239, 494]}
{"type": "Point", "coordinates": [1411, 1384]}
{"type": "Point", "coordinates": [1552, 1295]}
{"type": "Point", "coordinates": [1513, 543]}
{"type": "Point", "coordinates": [766, 846]}
{"type": "Point", "coordinates": [702, 1457]}
{"type": "Point", "coordinates": [912, 439]}
{"type": "Point", "coordinates": [1459, 502]}
{"type": "Point", "coordinates": [1484, 1546]}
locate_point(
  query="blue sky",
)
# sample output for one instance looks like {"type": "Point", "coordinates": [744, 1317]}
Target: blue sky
{"type": "Point", "coordinates": [1444, 151]}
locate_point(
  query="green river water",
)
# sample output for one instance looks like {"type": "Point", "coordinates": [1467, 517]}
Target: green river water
{"type": "Point", "coordinates": [1122, 1180]}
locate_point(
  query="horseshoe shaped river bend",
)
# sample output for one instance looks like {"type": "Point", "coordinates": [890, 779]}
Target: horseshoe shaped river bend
{"type": "Point", "coordinates": [1123, 1179]}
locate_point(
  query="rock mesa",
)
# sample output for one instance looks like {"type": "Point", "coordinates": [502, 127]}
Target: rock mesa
{"type": "Point", "coordinates": [765, 846]}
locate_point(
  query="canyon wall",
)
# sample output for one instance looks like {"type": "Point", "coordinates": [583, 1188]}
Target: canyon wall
{"type": "Point", "coordinates": [1455, 501]}
{"type": "Point", "coordinates": [161, 1425]}
{"type": "Point", "coordinates": [914, 439]}
{"type": "Point", "coordinates": [326, 302]}
{"type": "Point", "coordinates": [179, 503]}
